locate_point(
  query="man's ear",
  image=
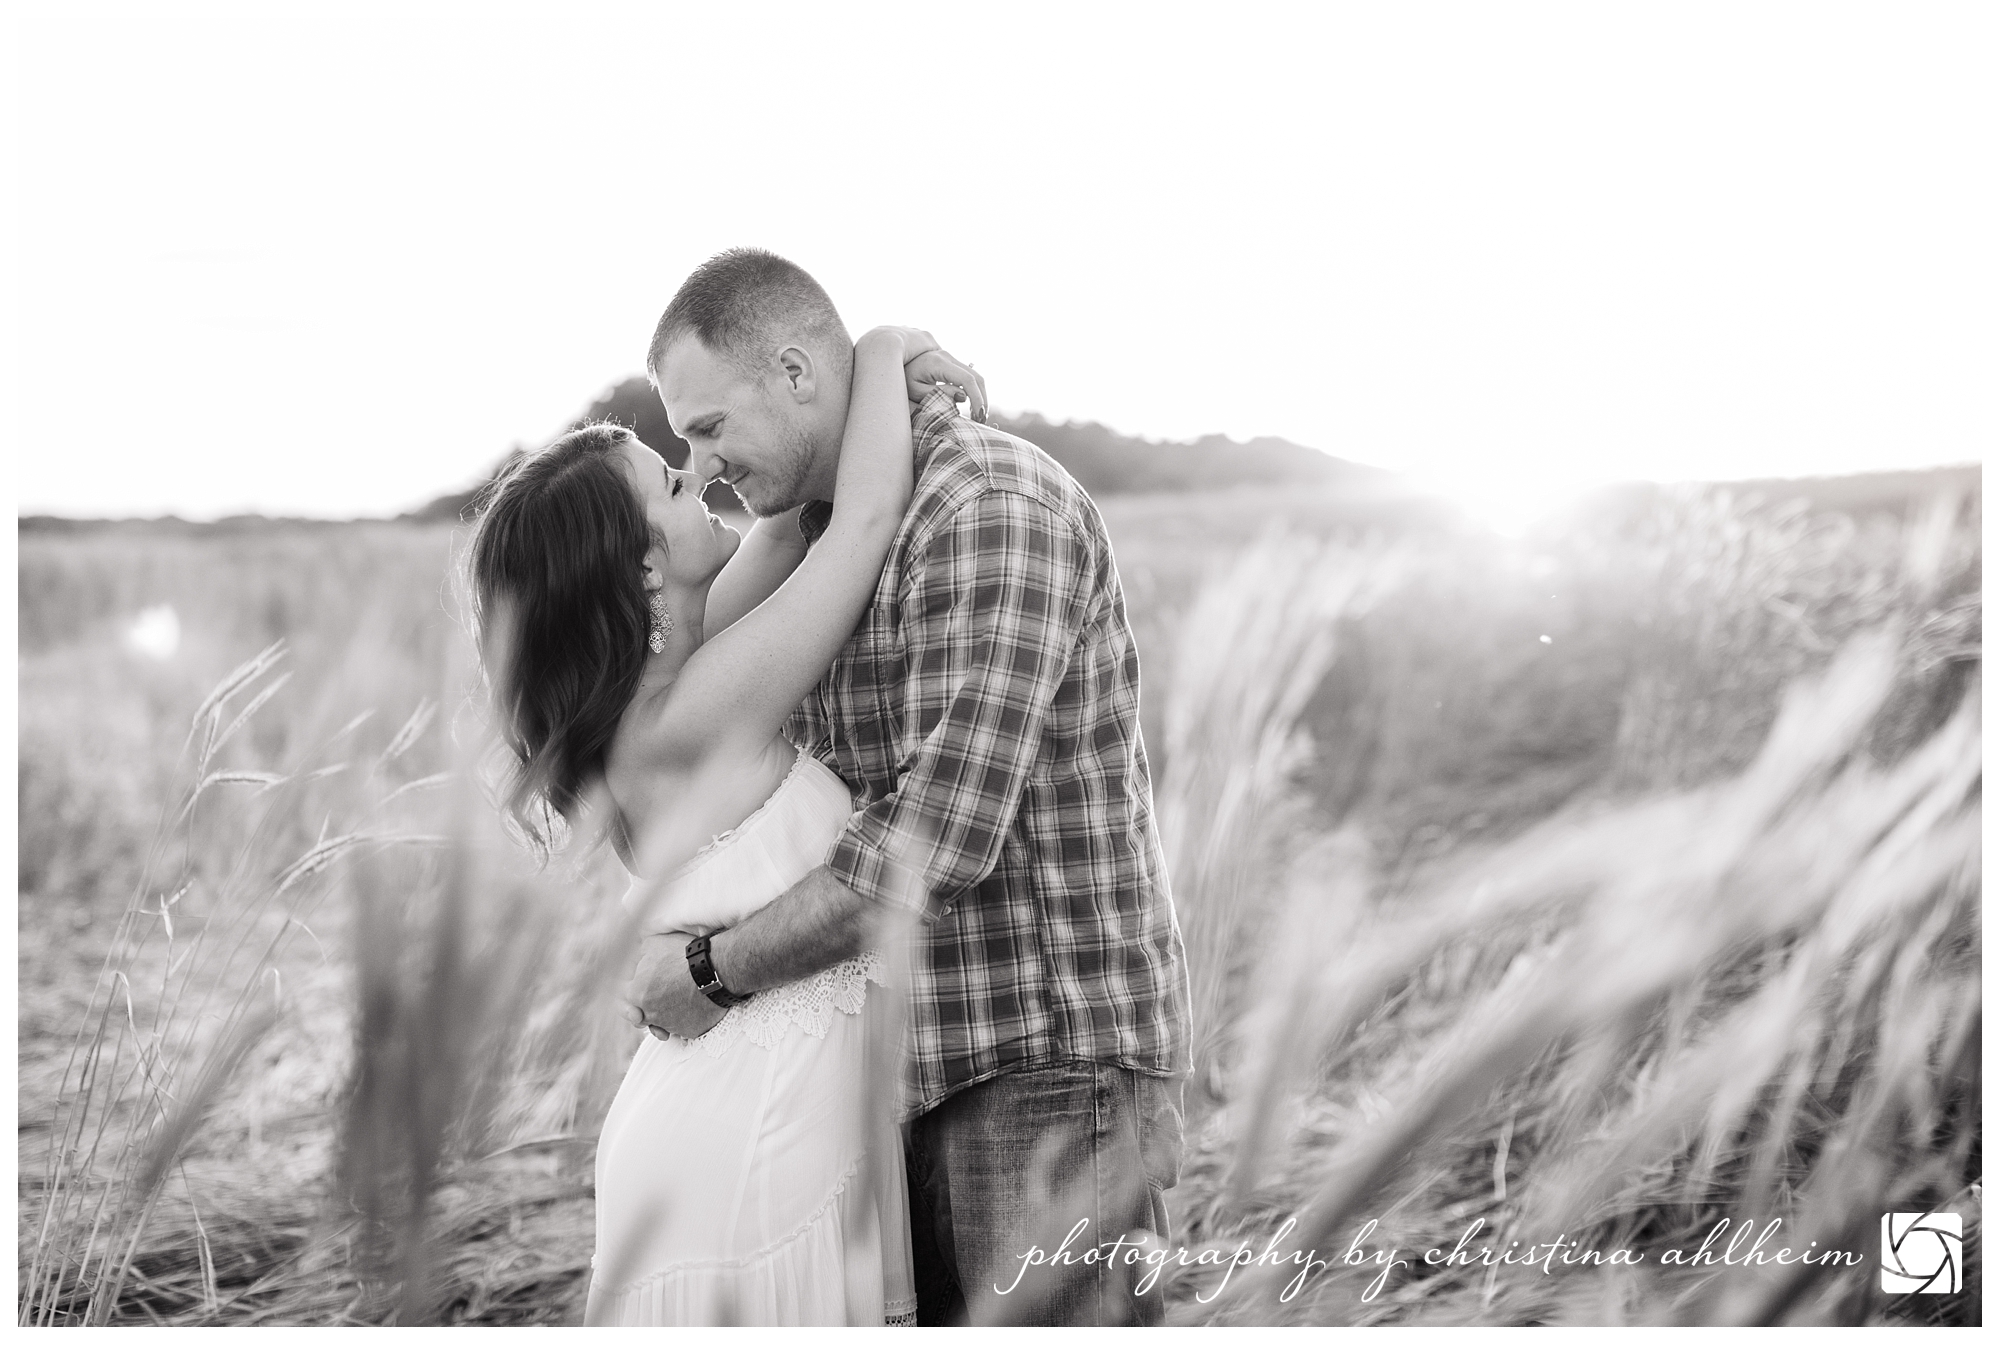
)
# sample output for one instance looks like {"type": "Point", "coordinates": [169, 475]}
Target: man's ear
{"type": "Point", "coordinates": [799, 373]}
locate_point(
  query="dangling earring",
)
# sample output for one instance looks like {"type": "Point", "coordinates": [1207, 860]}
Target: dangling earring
{"type": "Point", "coordinates": [663, 624]}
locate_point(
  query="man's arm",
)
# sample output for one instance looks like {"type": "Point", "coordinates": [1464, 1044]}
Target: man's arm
{"type": "Point", "coordinates": [815, 923]}
{"type": "Point", "coordinates": [993, 612]}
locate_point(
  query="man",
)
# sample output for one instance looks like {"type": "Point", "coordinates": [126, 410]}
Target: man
{"type": "Point", "coordinates": [986, 716]}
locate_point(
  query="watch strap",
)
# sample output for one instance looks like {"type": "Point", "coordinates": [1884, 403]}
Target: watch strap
{"type": "Point", "coordinates": [701, 966]}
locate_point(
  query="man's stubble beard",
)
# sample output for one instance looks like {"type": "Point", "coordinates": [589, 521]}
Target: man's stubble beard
{"type": "Point", "coordinates": [787, 489]}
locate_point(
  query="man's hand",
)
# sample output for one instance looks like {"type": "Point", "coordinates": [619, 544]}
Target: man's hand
{"type": "Point", "coordinates": [661, 996]}
{"type": "Point", "coordinates": [813, 924]}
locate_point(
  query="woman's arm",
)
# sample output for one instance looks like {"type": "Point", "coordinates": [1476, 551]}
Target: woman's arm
{"type": "Point", "coordinates": [744, 682]}
{"type": "Point", "coordinates": [771, 550]}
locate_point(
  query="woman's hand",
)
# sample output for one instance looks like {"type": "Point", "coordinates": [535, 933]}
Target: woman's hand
{"type": "Point", "coordinates": [937, 369]}
{"type": "Point", "coordinates": [928, 365]}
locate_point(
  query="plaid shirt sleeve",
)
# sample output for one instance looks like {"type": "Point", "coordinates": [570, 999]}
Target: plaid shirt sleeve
{"type": "Point", "coordinates": [993, 606]}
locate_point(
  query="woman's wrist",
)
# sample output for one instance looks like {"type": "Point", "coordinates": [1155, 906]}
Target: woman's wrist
{"type": "Point", "coordinates": [884, 341]}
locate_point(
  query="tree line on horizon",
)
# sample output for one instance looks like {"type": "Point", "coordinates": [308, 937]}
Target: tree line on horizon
{"type": "Point", "coordinates": [1107, 463]}
{"type": "Point", "coordinates": [1103, 461]}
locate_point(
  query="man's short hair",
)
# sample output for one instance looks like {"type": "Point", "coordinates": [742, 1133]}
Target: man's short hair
{"type": "Point", "coordinates": [741, 303]}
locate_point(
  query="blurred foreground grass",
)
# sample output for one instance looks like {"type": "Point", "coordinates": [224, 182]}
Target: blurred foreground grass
{"type": "Point", "coordinates": [1571, 885]}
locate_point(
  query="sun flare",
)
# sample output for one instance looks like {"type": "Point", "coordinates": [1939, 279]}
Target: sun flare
{"type": "Point", "coordinates": [1510, 504]}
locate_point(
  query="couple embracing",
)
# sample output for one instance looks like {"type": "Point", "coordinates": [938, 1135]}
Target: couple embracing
{"type": "Point", "coordinates": [905, 707]}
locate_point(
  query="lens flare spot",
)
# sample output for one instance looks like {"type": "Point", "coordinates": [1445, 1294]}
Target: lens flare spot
{"type": "Point", "coordinates": [155, 633]}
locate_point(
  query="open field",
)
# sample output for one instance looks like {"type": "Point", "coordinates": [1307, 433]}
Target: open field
{"type": "Point", "coordinates": [1600, 886]}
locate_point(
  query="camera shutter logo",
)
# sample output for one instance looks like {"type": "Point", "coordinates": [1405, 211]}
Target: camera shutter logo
{"type": "Point", "coordinates": [1922, 1254]}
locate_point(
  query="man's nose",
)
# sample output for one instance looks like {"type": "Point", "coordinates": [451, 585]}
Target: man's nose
{"type": "Point", "coordinates": [704, 463]}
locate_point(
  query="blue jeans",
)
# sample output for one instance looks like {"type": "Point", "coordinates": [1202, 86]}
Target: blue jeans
{"type": "Point", "coordinates": [1002, 1173]}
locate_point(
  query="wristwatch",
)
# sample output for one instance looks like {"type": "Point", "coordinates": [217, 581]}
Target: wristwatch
{"type": "Point", "coordinates": [702, 967]}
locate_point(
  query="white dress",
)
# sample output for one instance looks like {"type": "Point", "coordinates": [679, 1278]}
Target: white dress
{"type": "Point", "coordinates": [751, 1176]}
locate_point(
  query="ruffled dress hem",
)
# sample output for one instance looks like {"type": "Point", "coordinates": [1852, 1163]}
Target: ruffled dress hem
{"type": "Point", "coordinates": [799, 1280]}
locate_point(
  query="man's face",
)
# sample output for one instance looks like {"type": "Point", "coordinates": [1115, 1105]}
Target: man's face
{"type": "Point", "coordinates": [737, 430]}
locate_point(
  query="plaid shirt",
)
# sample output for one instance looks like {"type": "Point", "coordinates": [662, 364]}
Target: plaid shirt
{"type": "Point", "coordinates": [986, 716]}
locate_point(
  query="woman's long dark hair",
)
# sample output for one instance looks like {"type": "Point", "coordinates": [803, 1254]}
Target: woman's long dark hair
{"type": "Point", "coordinates": [557, 560]}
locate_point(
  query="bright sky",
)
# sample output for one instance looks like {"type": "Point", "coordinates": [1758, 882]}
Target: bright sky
{"type": "Point", "coordinates": [335, 259]}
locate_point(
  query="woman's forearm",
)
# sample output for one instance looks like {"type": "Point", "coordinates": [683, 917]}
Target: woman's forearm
{"type": "Point", "coordinates": [872, 487]}
{"type": "Point", "coordinates": [771, 550]}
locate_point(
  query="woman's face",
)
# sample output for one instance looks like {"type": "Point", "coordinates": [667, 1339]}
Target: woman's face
{"type": "Point", "coordinates": [698, 543]}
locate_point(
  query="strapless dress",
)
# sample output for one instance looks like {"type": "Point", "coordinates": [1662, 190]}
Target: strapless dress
{"type": "Point", "coordinates": [749, 1176]}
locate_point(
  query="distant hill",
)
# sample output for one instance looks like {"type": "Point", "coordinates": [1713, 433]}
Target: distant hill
{"type": "Point", "coordinates": [1860, 494]}
{"type": "Point", "coordinates": [1105, 462]}
{"type": "Point", "coordinates": [1108, 463]}
{"type": "Point", "coordinates": [1102, 460]}
{"type": "Point", "coordinates": [1869, 491]}
{"type": "Point", "coordinates": [631, 403]}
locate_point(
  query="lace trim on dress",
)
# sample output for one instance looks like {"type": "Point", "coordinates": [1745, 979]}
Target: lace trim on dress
{"type": "Point", "coordinates": [810, 1003]}
{"type": "Point", "coordinates": [724, 838]}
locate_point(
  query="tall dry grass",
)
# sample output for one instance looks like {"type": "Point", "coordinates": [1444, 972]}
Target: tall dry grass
{"type": "Point", "coordinates": [1255, 645]}
{"type": "Point", "coordinates": [193, 981]}
{"type": "Point", "coordinates": [1751, 1001]}
{"type": "Point", "coordinates": [1752, 997]}
{"type": "Point", "coordinates": [339, 1023]}
{"type": "Point", "coordinates": [1667, 918]}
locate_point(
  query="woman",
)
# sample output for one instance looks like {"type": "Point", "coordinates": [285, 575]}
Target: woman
{"type": "Point", "coordinates": [644, 660]}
